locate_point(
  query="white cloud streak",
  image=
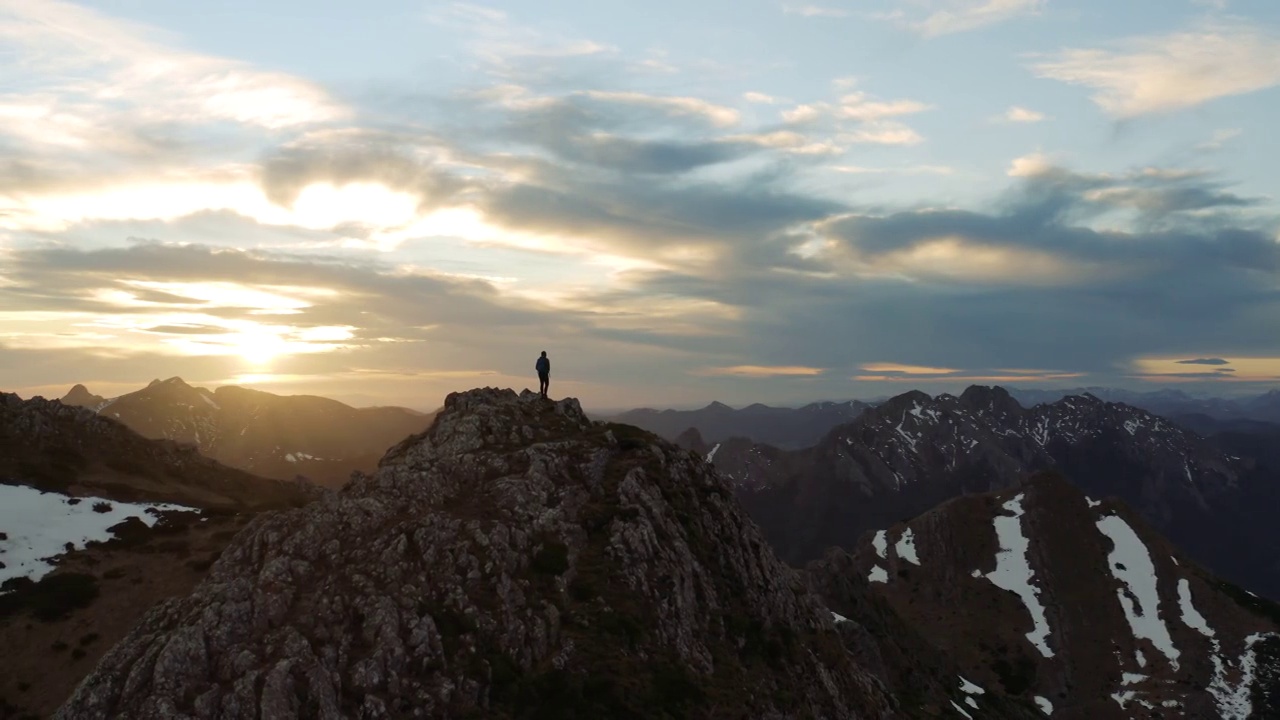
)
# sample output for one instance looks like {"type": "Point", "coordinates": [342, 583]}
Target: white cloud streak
{"type": "Point", "coordinates": [947, 17]}
{"type": "Point", "coordinates": [1163, 73]}
{"type": "Point", "coordinates": [80, 65]}
{"type": "Point", "coordinates": [810, 11]}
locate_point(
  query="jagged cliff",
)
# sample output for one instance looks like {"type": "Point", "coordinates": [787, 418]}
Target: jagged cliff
{"type": "Point", "coordinates": [516, 560]}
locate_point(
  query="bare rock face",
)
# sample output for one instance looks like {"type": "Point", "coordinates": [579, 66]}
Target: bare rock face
{"type": "Point", "coordinates": [516, 560]}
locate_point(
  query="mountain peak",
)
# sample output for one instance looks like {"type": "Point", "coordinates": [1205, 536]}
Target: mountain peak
{"type": "Point", "coordinates": [514, 555]}
{"type": "Point", "coordinates": [990, 399]}
{"type": "Point", "coordinates": [717, 406]}
{"type": "Point", "coordinates": [80, 396]}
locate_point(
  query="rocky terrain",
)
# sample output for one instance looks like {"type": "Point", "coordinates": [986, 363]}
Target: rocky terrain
{"type": "Point", "coordinates": [54, 447]}
{"type": "Point", "coordinates": [517, 560]}
{"type": "Point", "coordinates": [1042, 593]}
{"type": "Point", "coordinates": [789, 428]}
{"type": "Point", "coordinates": [55, 629]}
{"type": "Point", "coordinates": [913, 452]}
{"type": "Point", "coordinates": [273, 436]}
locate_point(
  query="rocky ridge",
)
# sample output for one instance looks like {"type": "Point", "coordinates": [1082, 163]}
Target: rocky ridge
{"type": "Point", "coordinates": [270, 435]}
{"type": "Point", "coordinates": [781, 427]}
{"type": "Point", "coordinates": [516, 560]}
{"type": "Point", "coordinates": [51, 446]}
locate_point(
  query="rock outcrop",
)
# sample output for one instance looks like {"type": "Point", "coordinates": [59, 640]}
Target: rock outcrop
{"type": "Point", "coordinates": [516, 560]}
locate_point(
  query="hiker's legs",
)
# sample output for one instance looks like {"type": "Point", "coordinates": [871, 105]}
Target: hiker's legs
{"type": "Point", "coordinates": [543, 383]}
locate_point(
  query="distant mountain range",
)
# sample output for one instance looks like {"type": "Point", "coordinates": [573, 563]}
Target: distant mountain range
{"type": "Point", "coordinates": [794, 428]}
{"type": "Point", "coordinates": [913, 452]}
{"type": "Point", "coordinates": [778, 426]}
{"type": "Point", "coordinates": [1169, 403]}
{"type": "Point", "coordinates": [275, 436]}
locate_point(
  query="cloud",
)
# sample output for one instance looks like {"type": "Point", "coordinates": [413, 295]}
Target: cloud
{"type": "Point", "coordinates": [761, 371]}
{"type": "Point", "coordinates": [1205, 361]}
{"type": "Point", "coordinates": [945, 17]}
{"type": "Point", "coordinates": [1164, 73]}
{"type": "Point", "coordinates": [759, 98]}
{"type": "Point", "coordinates": [507, 45]}
{"type": "Point", "coordinates": [882, 133]}
{"type": "Point", "coordinates": [899, 369]}
{"type": "Point", "coordinates": [1255, 369]}
{"type": "Point", "coordinates": [717, 115]}
{"type": "Point", "coordinates": [1018, 114]}
{"type": "Point", "coordinates": [1220, 138]}
{"type": "Point", "coordinates": [813, 11]}
{"type": "Point", "coordinates": [905, 170]}
{"type": "Point", "coordinates": [127, 79]}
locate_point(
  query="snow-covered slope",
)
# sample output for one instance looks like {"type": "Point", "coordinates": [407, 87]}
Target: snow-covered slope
{"type": "Point", "coordinates": [37, 527]}
{"type": "Point", "coordinates": [1077, 605]}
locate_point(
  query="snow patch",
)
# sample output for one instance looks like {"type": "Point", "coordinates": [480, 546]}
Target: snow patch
{"type": "Point", "coordinates": [837, 617]}
{"type": "Point", "coordinates": [1131, 565]}
{"type": "Point", "coordinates": [923, 412]}
{"type": "Point", "coordinates": [969, 688]}
{"type": "Point", "coordinates": [1013, 572]}
{"type": "Point", "coordinates": [40, 524]}
{"type": "Point", "coordinates": [878, 574]}
{"type": "Point", "coordinates": [210, 401]}
{"type": "Point", "coordinates": [1190, 615]}
{"type": "Point", "coordinates": [1045, 706]}
{"type": "Point", "coordinates": [1235, 702]}
{"type": "Point", "coordinates": [880, 543]}
{"type": "Point", "coordinates": [1132, 426]}
{"type": "Point", "coordinates": [961, 710]}
{"type": "Point", "coordinates": [906, 547]}
{"type": "Point", "coordinates": [1092, 502]}
{"type": "Point", "coordinates": [911, 439]}
{"type": "Point", "coordinates": [712, 455]}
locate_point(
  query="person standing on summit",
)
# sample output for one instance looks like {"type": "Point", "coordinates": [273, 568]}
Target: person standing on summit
{"type": "Point", "coordinates": [544, 373]}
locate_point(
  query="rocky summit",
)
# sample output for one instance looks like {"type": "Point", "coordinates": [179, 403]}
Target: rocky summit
{"type": "Point", "coordinates": [515, 560]}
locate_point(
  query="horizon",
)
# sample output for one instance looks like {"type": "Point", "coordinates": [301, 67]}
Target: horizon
{"type": "Point", "coordinates": [605, 411]}
{"type": "Point", "coordinates": [769, 202]}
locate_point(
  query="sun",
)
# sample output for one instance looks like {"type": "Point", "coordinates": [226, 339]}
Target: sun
{"type": "Point", "coordinates": [260, 347]}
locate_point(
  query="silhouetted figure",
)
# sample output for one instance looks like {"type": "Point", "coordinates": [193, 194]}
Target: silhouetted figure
{"type": "Point", "coordinates": [544, 373]}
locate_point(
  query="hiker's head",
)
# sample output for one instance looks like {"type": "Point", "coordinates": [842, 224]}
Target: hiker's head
{"type": "Point", "coordinates": [544, 353]}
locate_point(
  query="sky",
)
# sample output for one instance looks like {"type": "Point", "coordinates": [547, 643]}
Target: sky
{"type": "Point", "coordinates": [745, 201]}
